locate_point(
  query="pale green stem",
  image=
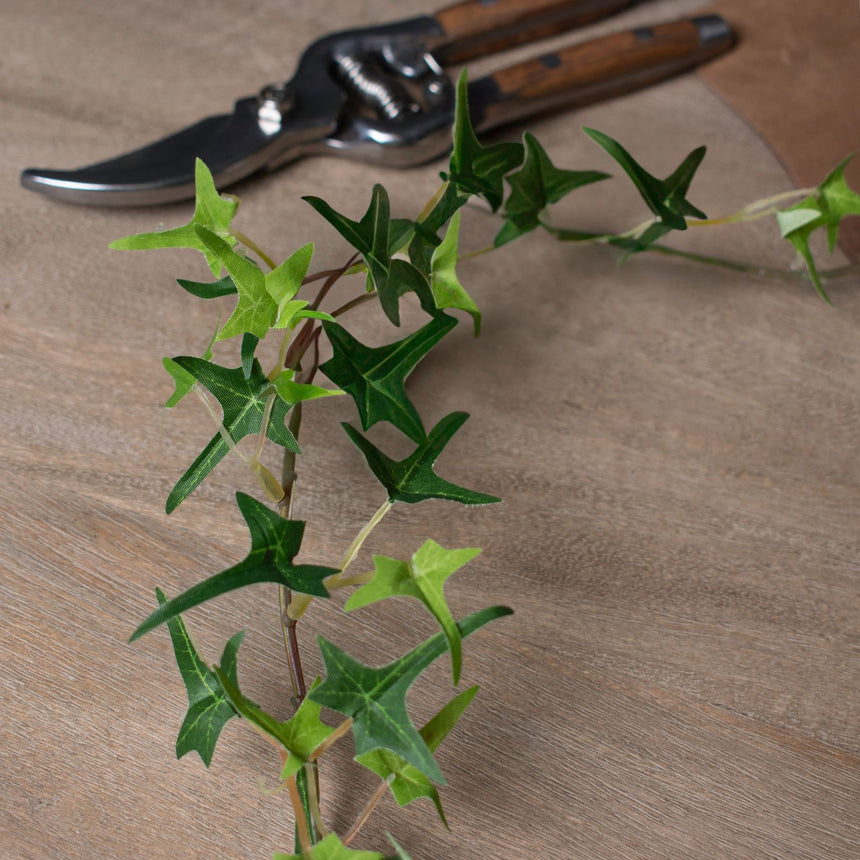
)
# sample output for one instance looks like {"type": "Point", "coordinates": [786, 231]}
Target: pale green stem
{"type": "Point", "coordinates": [332, 739]}
{"type": "Point", "coordinates": [253, 246]}
{"type": "Point", "coordinates": [300, 602]}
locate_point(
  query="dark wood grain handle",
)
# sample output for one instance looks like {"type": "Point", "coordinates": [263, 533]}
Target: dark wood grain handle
{"type": "Point", "coordinates": [477, 27]}
{"type": "Point", "coordinates": [596, 70]}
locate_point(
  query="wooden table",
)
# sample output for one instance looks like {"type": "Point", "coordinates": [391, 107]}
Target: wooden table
{"type": "Point", "coordinates": [676, 447]}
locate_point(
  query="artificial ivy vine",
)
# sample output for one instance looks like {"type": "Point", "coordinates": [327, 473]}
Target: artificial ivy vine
{"type": "Point", "coordinates": [393, 257]}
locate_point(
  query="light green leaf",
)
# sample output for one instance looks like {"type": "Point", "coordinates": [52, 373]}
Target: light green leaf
{"type": "Point", "coordinates": [406, 782]}
{"type": "Point", "coordinates": [832, 201]}
{"type": "Point", "coordinates": [331, 848]}
{"type": "Point", "coordinates": [209, 709]}
{"type": "Point", "coordinates": [375, 377]}
{"type": "Point", "coordinates": [296, 392]}
{"type": "Point", "coordinates": [447, 290]}
{"type": "Point", "coordinates": [422, 578]}
{"type": "Point", "coordinates": [376, 697]}
{"type": "Point", "coordinates": [255, 310]}
{"type": "Point", "coordinates": [182, 379]}
{"type": "Point", "coordinates": [285, 281]}
{"type": "Point", "coordinates": [212, 211]}
{"type": "Point", "coordinates": [275, 542]}
{"type": "Point", "coordinates": [413, 479]}
{"type": "Point", "coordinates": [243, 401]}
{"type": "Point", "coordinates": [301, 735]}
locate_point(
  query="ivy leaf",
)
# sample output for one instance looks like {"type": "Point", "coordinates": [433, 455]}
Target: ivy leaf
{"type": "Point", "coordinates": [215, 290]}
{"type": "Point", "coordinates": [474, 168]}
{"type": "Point", "coordinates": [296, 392]}
{"type": "Point", "coordinates": [330, 848]}
{"type": "Point", "coordinates": [211, 211]}
{"type": "Point", "coordinates": [372, 238]}
{"type": "Point", "coordinates": [300, 735]}
{"type": "Point", "coordinates": [406, 782]}
{"type": "Point", "coordinates": [275, 542]}
{"type": "Point", "coordinates": [447, 290]}
{"type": "Point", "coordinates": [413, 479]}
{"type": "Point", "coordinates": [832, 201]}
{"type": "Point", "coordinates": [424, 579]}
{"type": "Point", "coordinates": [243, 401]}
{"type": "Point", "coordinates": [666, 198]}
{"type": "Point", "coordinates": [209, 709]}
{"type": "Point", "coordinates": [375, 376]}
{"type": "Point", "coordinates": [375, 698]}
{"type": "Point", "coordinates": [536, 185]}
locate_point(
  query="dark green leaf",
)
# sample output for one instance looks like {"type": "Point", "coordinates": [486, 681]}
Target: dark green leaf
{"type": "Point", "coordinates": [300, 735]}
{"type": "Point", "coordinates": [275, 541]}
{"type": "Point", "coordinates": [375, 376]}
{"type": "Point", "coordinates": [406, 782]}
{"type": "Point", "coordinates": [376, 697]}
{"type": "Point", "coordinates": [536, 185]}
{"type": "Point", "coordinates": [249, 345]}
{"type": "Point", "coordinates": [474, 168]}
{"type": "Point", "coordinates": [666, 198]}
{"type": "Point", "coordinates": [243, 401]}
{"type": "Point", "coordinates": [372, 238]}
{"type": "Point", "coordinates": [413, 479]}
{"type": "Point", "coordinates": [224, 287]}
{"type": "Point", "coordinates": [211, 211]}
{"type": "Point", "coordinates": [832, 201]}
{"type": "Point", "coordinates": [209, 709]}
{"type": "Point", "coordinates": [424, 579]}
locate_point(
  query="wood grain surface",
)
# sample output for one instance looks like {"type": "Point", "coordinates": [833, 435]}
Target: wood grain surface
{"type": "Point", "coordinates": [676, 448]}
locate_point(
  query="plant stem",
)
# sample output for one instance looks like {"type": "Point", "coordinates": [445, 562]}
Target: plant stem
{"type": "Point", "coordinates": [365, 814]}
{"type": "Point", "coordinates": [750, 269]}
{"type": "Point", "coordinates": [300, 602]}
{"type": "Point", "coordinates": [253, 246]}
{"type": "Point", "coordinates": [303, 836]}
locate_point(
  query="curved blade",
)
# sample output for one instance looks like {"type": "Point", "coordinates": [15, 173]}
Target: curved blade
{"type": "Point", "coordinates": [232, 145]}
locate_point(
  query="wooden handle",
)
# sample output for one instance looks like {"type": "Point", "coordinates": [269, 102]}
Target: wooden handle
{"type": "Point", "coordinates": [596, 70]}
{"type": "Point", "coordinates": [478, 27]}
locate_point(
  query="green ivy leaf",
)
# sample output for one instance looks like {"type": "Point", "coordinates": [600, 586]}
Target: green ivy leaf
{"type": "Point", "coordinates": [331, 848]}
{"type": "Point", "coordinates": [215, 290]}
{"type": "Point", "coordinates": [212, 211]}
{"type": "Point", "coordinates": [376, 697]}
{"type": "Point", "coordinates": [243, 401]}
{"type": "Point", "coordinates": [375, 377]}
{"type": "Point", "coordinates": [209, 709]}
{"type": "Point", "coordinates": [296, 392]}
{"type": "Point", "coordinates": [406, 782]}
{"type": "Point", "coordinates": [424, 579]}
{"type": "Point", "coordinates": [301, 735]}
{"type": "Point", "coordinates": [666, 198]}
{"type": "Point", "coordinates": [447, 290]}
{"type": "Point", "coordinates": [413, 479]}
{"type": "Point", "coordinates": [832, 201]}
{"type": "Point", "coordinates": [373, 237]}
{"type": "Point", "coordinates": [536, 185]}
{"type": "Point", "coordinates": [474, 168]}
{"type": "Point", "coordinates": [275, 542]}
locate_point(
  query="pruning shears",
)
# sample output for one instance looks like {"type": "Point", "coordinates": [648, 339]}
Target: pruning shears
{"type": "Point", "coordinates": [382, 94]}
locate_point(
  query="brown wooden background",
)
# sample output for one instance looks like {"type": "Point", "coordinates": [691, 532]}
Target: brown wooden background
{"type": "Point", "coordinates": [676, 447]}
